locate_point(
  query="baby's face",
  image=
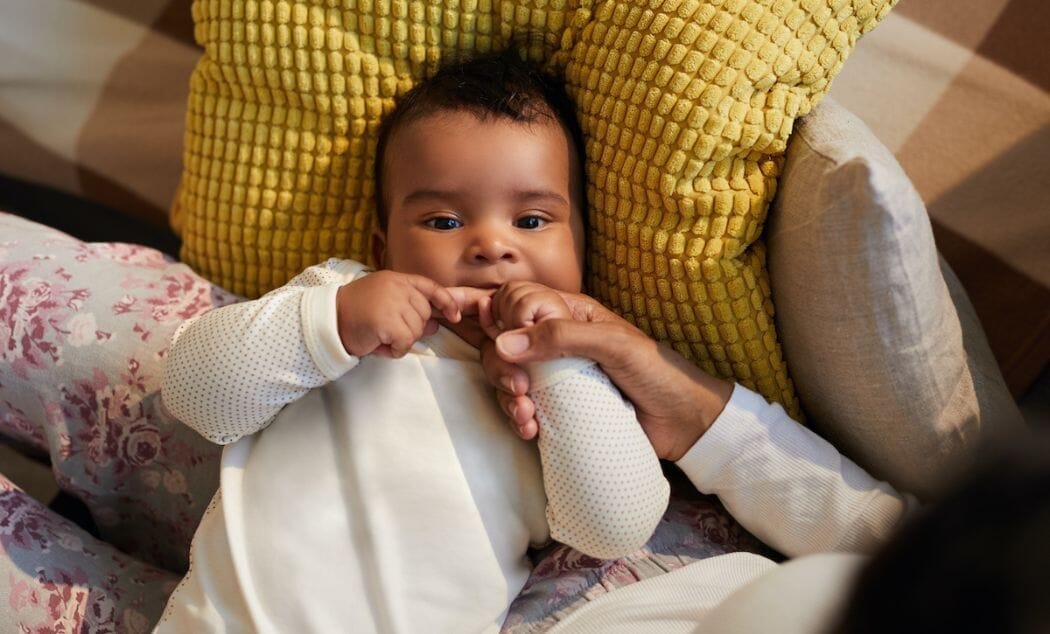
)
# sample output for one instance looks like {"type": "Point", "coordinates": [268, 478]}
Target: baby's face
{"type": "Point", "coordinates": [479, 203]}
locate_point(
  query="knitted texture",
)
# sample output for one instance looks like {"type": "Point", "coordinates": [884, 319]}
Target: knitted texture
{"type": "Point", "coordinates": [685, 105]}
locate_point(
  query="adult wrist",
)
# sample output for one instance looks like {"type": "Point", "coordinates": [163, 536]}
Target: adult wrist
{"type": "Point", "coordinates": [716, 395]}
{"type": "Point", "coordinates": [708, 399]}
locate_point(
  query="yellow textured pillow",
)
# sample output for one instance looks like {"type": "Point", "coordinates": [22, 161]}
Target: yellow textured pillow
{"type": "Point", "coordinates": [685, 105]}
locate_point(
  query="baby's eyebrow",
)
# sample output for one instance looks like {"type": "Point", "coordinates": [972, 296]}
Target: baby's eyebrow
{"type": "Point", "coordinates": [418, 195]}
{"type": "Point", "coordinates": [520, 195]}
{"type": "Point", "coordinates": [540, 195]}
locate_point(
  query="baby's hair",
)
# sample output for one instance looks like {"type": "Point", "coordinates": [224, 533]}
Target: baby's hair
{"type": "Point", "coordinates": [499, 85]}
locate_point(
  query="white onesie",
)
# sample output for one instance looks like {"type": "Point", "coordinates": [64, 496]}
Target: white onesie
{"type": "Point", "coordinates": [387, 495]}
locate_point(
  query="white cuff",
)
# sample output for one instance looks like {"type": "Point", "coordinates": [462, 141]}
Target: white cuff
{"type": "Point", "coordinates": [543, 374]}
{"type": "Point", "coordinates": [321, 331]}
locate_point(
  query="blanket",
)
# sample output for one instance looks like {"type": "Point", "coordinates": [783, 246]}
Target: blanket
{"type": "Point", "coordinates": [959, 90]}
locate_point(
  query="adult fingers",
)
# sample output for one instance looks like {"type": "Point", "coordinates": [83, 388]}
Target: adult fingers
{"type": "Point", "coordinates": [587, 309]}
{"type": "Point", "coordinates": [507, 377]}
{"type": "Point", "coordinates": [521, 412]}
{"type": "Point", "coordinates": [512, 385]}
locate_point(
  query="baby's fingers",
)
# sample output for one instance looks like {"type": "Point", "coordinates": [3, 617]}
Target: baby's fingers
{"type": "Point", "coordinates": [438, 296]}
{"type": "Point", "coordinates": [401, 332]}
{"type": "Point", "coordinates": [519, 305]}
{"type": "Point", "coordinates": [469, 298]}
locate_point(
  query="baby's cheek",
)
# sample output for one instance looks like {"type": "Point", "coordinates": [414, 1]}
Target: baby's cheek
{"type": "Point", "coordinates": [563, 276]}
{"type": "Point", "coordinates": [421, 261]}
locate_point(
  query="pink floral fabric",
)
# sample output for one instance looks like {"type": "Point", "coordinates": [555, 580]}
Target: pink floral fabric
{"type": "Point", "coordinates": [56, 578]}
{"type": "Point", "coordinates": [83, 333]}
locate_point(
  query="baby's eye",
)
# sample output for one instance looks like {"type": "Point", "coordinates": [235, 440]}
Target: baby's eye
{"type": "Point", "coordinates": [443, 223]}
{"type": "Point", "coordinates": [530, 222]}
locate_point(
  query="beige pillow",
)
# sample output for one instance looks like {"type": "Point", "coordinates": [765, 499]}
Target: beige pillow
{"type": "Point", "coordinates": [889, 360]}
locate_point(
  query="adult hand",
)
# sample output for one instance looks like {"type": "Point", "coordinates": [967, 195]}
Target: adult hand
{"type": "Point", "coordinates": [675, 401]}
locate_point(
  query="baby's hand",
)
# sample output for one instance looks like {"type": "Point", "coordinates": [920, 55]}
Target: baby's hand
{"type": "Point", "coordinates": [519, 305]}
{"type": "Point", "coordinates": [386, 312]}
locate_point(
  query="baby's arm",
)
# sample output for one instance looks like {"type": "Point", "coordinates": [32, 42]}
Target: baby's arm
{"type": "Point", "coordinates": [231, 370]}
{"type": "Point", "coordinates": [605, 489]}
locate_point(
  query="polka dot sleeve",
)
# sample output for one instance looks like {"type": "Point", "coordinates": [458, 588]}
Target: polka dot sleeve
{"type": "Point", "coordinates": [231, 370]}
{"type": "Point", "coordinates": [605, 489]}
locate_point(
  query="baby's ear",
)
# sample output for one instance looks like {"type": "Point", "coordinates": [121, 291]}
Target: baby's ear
{"type": "Point", "coordinates": [378, 248]}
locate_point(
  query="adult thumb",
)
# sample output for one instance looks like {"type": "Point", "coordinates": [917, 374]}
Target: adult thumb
{"type": "Point", "coordinates": [555, 338]}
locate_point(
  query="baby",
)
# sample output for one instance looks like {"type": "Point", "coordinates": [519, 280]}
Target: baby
{"type": "Point", "coordinates": [385, 491]}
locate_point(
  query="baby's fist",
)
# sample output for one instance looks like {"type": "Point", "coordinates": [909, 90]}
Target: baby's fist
{"type": "Point", "coordinates": [386, 312]}
{"type": "Point", "coordinates": [523, 304]}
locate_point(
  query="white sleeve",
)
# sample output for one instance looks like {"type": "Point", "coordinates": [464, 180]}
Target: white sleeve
{"type": "Point", "coordinates": [605, 489]}
{"type": "Point", "coordinates": [231, 370]}
{"type": "Point", "coordinates": [788, 486]}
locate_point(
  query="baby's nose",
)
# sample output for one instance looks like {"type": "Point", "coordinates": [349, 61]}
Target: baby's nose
{"type": "Point", "coordinates": [492, 246]}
